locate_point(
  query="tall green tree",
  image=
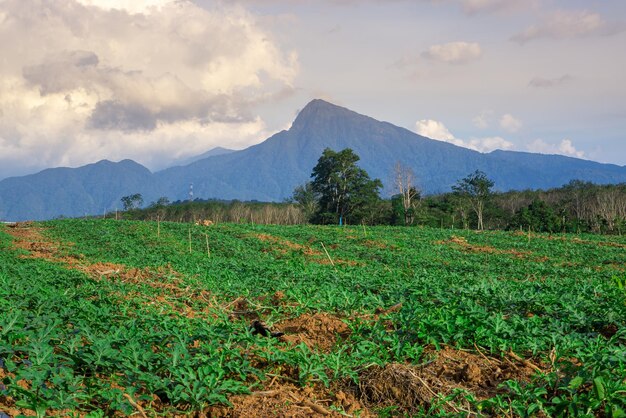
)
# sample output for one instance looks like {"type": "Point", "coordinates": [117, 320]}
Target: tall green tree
{"type": "Point", "coordinates": [346, 192]}
{"type": "Point", "coordinates": [476, 189]}
{"type": "Point", "coordinates": [133, 201]}
{"type": "Point", "coordinates": [538, 216]}
{"type": "Point", "coordinates": [306, 198]}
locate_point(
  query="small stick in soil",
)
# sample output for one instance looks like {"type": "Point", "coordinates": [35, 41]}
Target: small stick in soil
{"type": "Point", "coordinates": [327, 255]}
{"type": "Point", "coordinates": [208, 249]}
{"type": "Point", "coordinates": [481, 353]}
{"type": "Point", "coordinates": [233, 302]}
{"type": "Point", "coordinates": [307, 403]}
{"type": "Point", "coordinates": [315, 407]}
{"type": "Point", "coordinates": [280, 376]}
{"type": "Point", "coordinates": [189, 240]}
{"type": "Point", "coordinates": [524, 362]}
{"type": "Point", "coordinates": [136, 405]}
{"type": "Point", "coordinates": [265, 393]}
{"type": "Point", "coordinates": [436, 395]}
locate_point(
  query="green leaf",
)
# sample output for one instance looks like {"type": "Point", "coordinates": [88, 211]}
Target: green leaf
{"type": "Point", "coordinates": [617, 412]}
{"type": "Point", "coordinates": [598, 387]}
{"type": "Point", "coordinates": [576, 382]}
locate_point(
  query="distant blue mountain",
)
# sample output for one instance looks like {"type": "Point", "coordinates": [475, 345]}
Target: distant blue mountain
{"type": "Point", "coordinates": [271, 170]}
{"type": "Point", "coordinates": [210, 153]}
{"type": "Point", "coordinates": [87, 190]}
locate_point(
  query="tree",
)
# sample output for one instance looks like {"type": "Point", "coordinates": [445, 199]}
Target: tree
{"type": "Point", "coordinates": [475, 188]}
{"type": "Point", "coordinates": [161, 202]}
{"type": "Point", "coordinates": [306, 198]}
{"type": "Point", "coordinates": [404, 181]}
{"type": "Point", "coordinates": [345, 191]}
{"type": "Point", "coordinates": [538, 216]}
{"type": "Point", "coordinates": [133, 201]}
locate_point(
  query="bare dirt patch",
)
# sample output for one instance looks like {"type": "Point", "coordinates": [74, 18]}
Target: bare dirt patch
{"type": "Point", "coordinates": [413, 388]}
{"type": "Point", "coordinates": [319, 331]}
{"type": "Point", "coordinates": [290, 401]}
{"type": "Point", "coordinates": [575, 240]}
{"type": "Point", "coordinates": [282, 246]}
{"type": "Point", "coordinates": [462, 244]}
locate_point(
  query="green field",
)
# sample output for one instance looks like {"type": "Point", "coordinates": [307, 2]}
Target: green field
{"type": "Point", "coordinates": [113, 318]}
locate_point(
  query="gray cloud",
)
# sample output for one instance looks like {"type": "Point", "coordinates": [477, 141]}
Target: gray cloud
{"type": "Point", "coordinates": [136, 103]}
{"type": "Point", "coordinates": [454, 52]}
{"type": "Point", "coordinates": [472, 7]}
{"type": "Point", "coordinates": [568, 24]}
{"type": "Point", "coordinates": [111, 115]}
{"type": "Point", "coordinates": [541, 82]}
{"type": "Point", "coordinates": [62, 71]}
{"type": "Point", "coordinates": [148, 80]}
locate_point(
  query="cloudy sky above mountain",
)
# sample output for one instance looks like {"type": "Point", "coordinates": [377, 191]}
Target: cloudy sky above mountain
{"type": "Point", "coordinates": [155, 80]}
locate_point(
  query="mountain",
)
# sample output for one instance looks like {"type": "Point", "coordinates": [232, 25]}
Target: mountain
{"type": "Point", "coordinates": [210, 153]}
{"type": "Point", "coordinates": [271, 170]}
{"type": "Point", "coordinates": [86, 190]}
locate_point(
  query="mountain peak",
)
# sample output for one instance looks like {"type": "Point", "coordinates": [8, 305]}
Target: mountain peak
{"type": "Point", "coordinates": [320, 111]}
{"type": "Point", "coordinates": [317, 104]}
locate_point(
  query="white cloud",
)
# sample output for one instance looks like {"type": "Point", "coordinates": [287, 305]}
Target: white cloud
{"type": "Point", "coordinates": [482, 121]}
{"type": "Point", "coordinates": [489, 144]}
{"type": "Point", "coordinates": [433, 129]}
{"type": "Point", "coordinates": [565, 147]}
{"type": "Point", "coordinates": [147, 80]}
{"type": "Point", "coordinates": [131, 6]}
{"type": "Point", "coordinates": [436, 130]}
{"type": "Point", "coordinates": [509, 123]}
{"type": "Point", "coordinates": [454, 52]}
{"type": "Point", "coordinates": [566, 24]}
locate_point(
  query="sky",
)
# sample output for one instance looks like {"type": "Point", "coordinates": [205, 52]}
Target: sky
{"type": "Point", "coordinates": [161, 80]}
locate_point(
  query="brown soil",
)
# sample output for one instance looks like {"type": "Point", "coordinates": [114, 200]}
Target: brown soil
{"type": "Point", "coordinates": [575, 240]}
{"type": "Point", "coordinates": [7, 405]}
{"type": "Point", "coordinates": [319, 331]}
{"type": "Point", "coordinates": [412, 387]}
{"type": "Point", "coordinates": [287, 400]}
{"type": "Point", "coordinates": [599, 243]}
{"type": "Point", "coordinates": [283, 246]}
{"type": "Point", "coordinates": [462, 244]}
{"type": "Point", "coordinates": [374, 244]}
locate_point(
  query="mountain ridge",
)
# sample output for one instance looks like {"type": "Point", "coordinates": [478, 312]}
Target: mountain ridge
{"type": "Point", "coordinates": [270, 170]}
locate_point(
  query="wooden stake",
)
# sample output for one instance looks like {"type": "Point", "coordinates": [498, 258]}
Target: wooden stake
{"type": "Point", "coordinates": [189, 240]}
{"type": "Point", "coordinates": [208, 249]}
{"type": "Point", "coordinates": [327, 255]}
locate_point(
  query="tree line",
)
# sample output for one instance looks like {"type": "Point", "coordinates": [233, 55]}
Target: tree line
{"type": "Point", "coordinates": [342, 193]}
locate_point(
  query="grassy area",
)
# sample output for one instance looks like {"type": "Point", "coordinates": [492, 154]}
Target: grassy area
{"type": "Point", "coordinates": [102, 318]}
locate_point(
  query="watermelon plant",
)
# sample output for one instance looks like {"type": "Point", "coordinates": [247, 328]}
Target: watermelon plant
{"type": "Point", "coordinates": [104, 317]}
